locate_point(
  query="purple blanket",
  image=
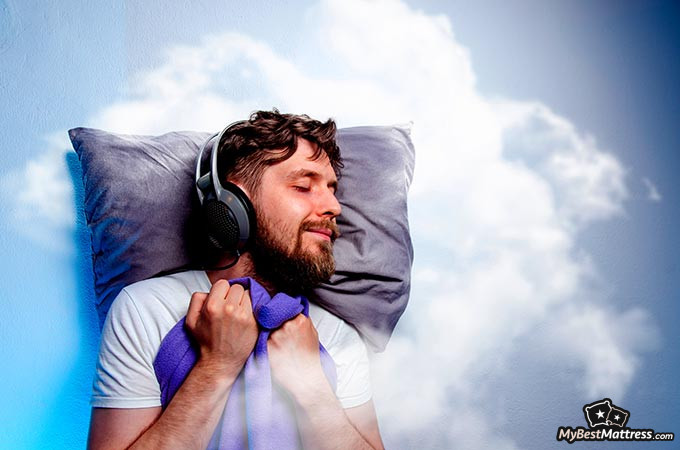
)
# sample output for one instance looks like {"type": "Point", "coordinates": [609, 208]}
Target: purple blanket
{"type": "Point", "coordinates": [257, 415]}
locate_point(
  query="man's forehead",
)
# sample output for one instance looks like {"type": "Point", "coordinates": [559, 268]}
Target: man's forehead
{"type": "Point", "coordinates": [306, 162]}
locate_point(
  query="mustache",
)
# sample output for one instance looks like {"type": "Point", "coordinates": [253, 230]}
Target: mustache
{"type": "Point", "coordinates": [328, 224]}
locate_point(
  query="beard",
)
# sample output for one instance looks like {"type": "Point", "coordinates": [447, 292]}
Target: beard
{"type": "Point", "coordinates": [293, 271]}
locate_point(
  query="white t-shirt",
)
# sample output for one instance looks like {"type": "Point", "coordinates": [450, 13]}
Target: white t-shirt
{"type": "Point", "coordinates": [144, 312]}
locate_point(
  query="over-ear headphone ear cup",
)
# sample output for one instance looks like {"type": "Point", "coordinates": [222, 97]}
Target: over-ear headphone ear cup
{"type": "Point", "coordinates": [228, 215]}
{"type": "Point", "coordinates": [221, 227]}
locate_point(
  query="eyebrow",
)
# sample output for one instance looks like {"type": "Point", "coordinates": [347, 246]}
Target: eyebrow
{"type": "Point", "coordinates": [306, 173]}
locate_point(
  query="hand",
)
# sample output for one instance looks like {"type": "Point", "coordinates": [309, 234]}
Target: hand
{"type": "Point", "coordinates": [223, 324]}
{"type": "Point", "coordinates": [294, 356]}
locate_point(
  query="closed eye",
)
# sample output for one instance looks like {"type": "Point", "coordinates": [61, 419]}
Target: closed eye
{"type": "Point", "coordinates": [301, 188]}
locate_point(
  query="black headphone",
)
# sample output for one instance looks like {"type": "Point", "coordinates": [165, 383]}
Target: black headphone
{"type": "Point", "coordinates": [228, 216]}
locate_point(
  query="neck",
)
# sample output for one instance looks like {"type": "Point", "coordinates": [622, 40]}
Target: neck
{"type": "Point", "coordinates": [243, 268]}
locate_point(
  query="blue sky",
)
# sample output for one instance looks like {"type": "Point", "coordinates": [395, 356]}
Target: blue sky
{"type": "Point", "coordinates": [536, 235]}
{"type": "Point", "coordinates": [612, 69]}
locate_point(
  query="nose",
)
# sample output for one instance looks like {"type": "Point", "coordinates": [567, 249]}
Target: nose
{"type": "Point", "coordinates": [329, 204]}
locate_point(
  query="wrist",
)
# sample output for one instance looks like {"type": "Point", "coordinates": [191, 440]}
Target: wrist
{"type": "Point", "coordinates": [217, 371]}
{"type": "Point", "coordinates": [313, 392]}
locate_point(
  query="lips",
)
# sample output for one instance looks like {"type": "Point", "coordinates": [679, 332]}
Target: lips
{"type": "Point", "coordinates": [323, 232]}
{"type": "Point", "coordinates": [324, 229]}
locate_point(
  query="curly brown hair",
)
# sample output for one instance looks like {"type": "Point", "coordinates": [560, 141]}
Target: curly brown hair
{"type": "Point", "coordinates": [268, 138]}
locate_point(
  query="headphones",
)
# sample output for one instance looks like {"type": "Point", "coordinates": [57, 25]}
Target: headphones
{"type": "Point", "coordinates": [227, 214]}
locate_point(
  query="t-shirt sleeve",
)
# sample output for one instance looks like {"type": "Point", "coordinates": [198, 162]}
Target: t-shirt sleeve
{"type": "Point", "coordinates": [124, 377]}
{"type": "Point", "coordinates": [353, 368]}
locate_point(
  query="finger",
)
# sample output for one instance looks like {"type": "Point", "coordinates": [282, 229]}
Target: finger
{"type": "Point", "coordinates": [216, 296]}
{"type": "Point", "coordinates": [195, 306]}
{"type": "Point", "coordinates": [300, 318]}
{"type": "Point", "coordinates": [273, 337]}
{"type": "Point", "coordinates": [246, 301]}
{"type": "Point", "coordinates": [219, 289]}
{"type": "Point", "coordinates": [235, 293]}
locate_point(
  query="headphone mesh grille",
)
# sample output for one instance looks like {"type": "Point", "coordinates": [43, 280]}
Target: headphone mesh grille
{"type": "Point", "coordinates": [221, 226]}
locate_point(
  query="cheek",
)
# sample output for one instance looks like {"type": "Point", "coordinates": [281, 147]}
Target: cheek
{"type": "Point", "coordinates": [281, 221]}
{"type": "Point", "coordinates": [295, 205]}
{"type": "Point", "coordinates": [283, 209]}
{"type": "Point", "coordinates": [288, 211]}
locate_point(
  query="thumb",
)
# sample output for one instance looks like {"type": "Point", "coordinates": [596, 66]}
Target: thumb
{"type": "Point", "coordinates": [195, 307]}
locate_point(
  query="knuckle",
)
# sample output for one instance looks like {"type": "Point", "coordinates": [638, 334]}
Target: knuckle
{"type": "Point", "coordinates": [298, 323]}
{"type": "Point", "coordinates": [213, 308]}
{"type": "Point", "coordinates": [197, 297]}
{"type": "Point", "coordinates": [221, 283]}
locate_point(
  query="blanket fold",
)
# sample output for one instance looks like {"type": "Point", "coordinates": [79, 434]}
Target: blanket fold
{"type": "Point", "coordinates": [257, 415]}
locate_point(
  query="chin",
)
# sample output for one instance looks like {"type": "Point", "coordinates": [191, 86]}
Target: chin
{"type": "Point", "coordinates": [319, 246]}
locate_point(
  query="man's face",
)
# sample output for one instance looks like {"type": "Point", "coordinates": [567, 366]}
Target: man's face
{"type": "Point", "coordinates": [296, 210]}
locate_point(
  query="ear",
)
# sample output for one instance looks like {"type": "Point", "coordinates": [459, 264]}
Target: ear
{"type": "Point", "coordinates": [240, 185]}
{"type": "Point", "coordinates": [243, 188]}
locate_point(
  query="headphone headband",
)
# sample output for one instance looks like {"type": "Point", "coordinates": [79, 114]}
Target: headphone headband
{"type": "Point", "coordinates": [202, 180]}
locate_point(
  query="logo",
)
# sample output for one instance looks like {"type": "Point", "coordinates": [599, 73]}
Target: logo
{"type": "Point", "coordinates": [606, 421]}
{"type": "Point", "coordinates": [604, 412]}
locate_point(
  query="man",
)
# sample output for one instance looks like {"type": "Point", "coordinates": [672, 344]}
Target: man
{"type": "Point", "coordinates": [287, 166]}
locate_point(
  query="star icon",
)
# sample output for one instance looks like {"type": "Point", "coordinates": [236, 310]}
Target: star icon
{"type": "Point", "coordinates": [617, 417]}
{"type": "Point", "coordinates": [600, 415]}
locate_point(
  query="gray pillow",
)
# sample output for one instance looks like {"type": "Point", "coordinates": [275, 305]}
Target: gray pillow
{"type": "Point", "coordinates": [140, 206]}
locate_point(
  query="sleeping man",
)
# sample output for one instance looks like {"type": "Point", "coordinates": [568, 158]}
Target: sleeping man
{"type": "Point", "coordinates": [253, 363]}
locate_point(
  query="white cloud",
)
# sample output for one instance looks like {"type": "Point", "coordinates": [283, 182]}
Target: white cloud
{"type": "Point", "coordinates": [653, 194]}
{"type": "Point", "coordinates": [588, 183]}
{"type": "Point", "coordinates": [39, 196]}
{"type": "Point", "coordinates": [501, 191]}
{"type": "Point", "coordinates": [606, 342]}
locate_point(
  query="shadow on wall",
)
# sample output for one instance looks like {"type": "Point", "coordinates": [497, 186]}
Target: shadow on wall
{"type": "Point", "coordinates": [66, 416]}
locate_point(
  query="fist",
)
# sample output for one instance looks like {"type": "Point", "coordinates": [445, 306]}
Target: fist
{"type": "Point", "coordinates": [223, 325]}
{"type": "Point", "coordinates": [294, 355]}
